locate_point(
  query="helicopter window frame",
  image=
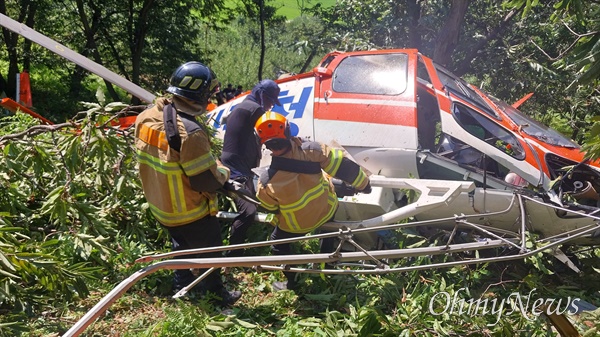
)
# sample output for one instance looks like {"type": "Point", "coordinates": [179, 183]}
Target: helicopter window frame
{"type": "Point", "coordinates": [422, 72]}
{"type": "Point", "coordinates": [374, 74]}
{"type": "Point", "coordinates": [485, 129]}
{"type": "Point", "coordinates": [463, 90]}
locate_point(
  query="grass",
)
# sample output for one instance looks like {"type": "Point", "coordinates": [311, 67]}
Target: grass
{"type": "Point", "coordinates": [293, 8]}
{"type": "Point", "coordinates": [385, 305]}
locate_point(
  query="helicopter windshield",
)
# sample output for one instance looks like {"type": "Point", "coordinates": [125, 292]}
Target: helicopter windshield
{"type": "Point", "coordinates": [460, 87]}
{"type": "Point", "coordinates": [534, 128]}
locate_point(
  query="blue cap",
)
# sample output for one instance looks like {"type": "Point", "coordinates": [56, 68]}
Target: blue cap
{"type": "Point", "coordinates": [271, 90]}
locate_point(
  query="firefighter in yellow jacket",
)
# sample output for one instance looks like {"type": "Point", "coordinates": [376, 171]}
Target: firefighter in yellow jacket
{"type": "Point", "coordinates": [178, 173]}
{"type": "Point", "coordinates": [296, 184]}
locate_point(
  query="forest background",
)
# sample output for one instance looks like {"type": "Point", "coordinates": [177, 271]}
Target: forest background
{"type": "Point", "coordinates": [71, 212]}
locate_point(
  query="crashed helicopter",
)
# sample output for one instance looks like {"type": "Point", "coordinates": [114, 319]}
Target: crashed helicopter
{"type": "Point", "coordinates": [443, 155]}
{"type": "Point", "coordinates": [480, 170]}
{"type": "Point", "coordinates": [400, 115]}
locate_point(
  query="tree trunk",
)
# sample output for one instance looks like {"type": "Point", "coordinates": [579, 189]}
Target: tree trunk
{"type": "Point", "coordinates": [11, 40]}
{"type": "Point", "coordinates": [261, 5]}
{"type": "Point", "coordinates": [465, 64]}
{"type": "Point", "coordinates": [414, 31]}
{"type": "Point", "coordinates": [27, 43]}
{"type": "Point", "coordinates": [141, 30]}
{"type": "Point", "coordinates": [90, 30]}
{"type": "Point", "coordinates": [308, 62]}
{"type": "Point", "coordinates": [450, 32]}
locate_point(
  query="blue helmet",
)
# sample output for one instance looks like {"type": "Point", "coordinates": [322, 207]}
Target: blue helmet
{"type": "Point", "coordinates": [194, 81]}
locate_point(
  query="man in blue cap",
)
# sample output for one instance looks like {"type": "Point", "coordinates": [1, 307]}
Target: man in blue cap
{"type": "Point", "coordinates": [241, 151]}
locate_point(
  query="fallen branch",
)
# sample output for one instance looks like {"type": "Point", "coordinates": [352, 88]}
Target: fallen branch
{"type": "Point", "coordinates": [36, 130]}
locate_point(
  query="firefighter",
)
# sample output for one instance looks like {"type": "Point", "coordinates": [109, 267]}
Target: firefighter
{"type": "Point", "coordinates": [242, 152]}
{"type": "Point", "coordinates": [178, 173]}
{"type": "Point", "coordinates": [297, 184]}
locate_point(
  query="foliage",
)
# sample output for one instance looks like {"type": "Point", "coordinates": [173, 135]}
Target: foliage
{"type": "Point", "coordinates": [69, 197]}
{"type": "Point", "coordinates": [566, 49]}
{"type": "Point", "coordinates": [73, 219]}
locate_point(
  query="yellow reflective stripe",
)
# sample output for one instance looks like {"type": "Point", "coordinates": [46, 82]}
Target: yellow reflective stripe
{"type": "Point", "coordinates": [267, 206]}
{"type": "Point", "coordinates": [171, 219]}
{"type": "Point", "coordinates": [153, 137]}
{"type": "Point", "coordinates": [294, 227]}
{"type": "Point", "coordinates": [335, 160]}
{"type": "Point", "coordinates": [185, 81]}
{"type": "Point", "coordinates": [360, 179]}
{"type": "Point", "coordinates": [174, 175]}
{"type": "Point", "coordinates": [198, 165]}
{"type": "Point", "coordinates": [333, 202]}
{"type": "Point", "coordinates": [213, 208]}
{"type": "Point", "coordinates": [288, 211]}
{"type": "Point", "coordinates": [196, 84]}
{"type": "Point", "coordinates": [176, 192]}
{"type": "Point", "coordinates": [310, 195]}
{"type": "Point", "coordinates": [156, 164]}
{"type": "Point", "coordinates": [290, 219]}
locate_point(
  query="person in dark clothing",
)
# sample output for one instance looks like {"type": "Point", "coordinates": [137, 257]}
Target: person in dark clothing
{"type": "Point", "coordinates": [229, 92]}
{"type": "Point", "coordinates": [241, 151]}
{"type": "Point", "coordinates": [238, 90]}
{"type": "Point", "coordinates": [219, 96]}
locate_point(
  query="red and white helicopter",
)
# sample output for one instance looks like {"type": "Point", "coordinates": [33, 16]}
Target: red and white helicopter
{"type": "Point", "coordinates": [400, 115]}
{"type": "Point", "coordinates": [480, 169]}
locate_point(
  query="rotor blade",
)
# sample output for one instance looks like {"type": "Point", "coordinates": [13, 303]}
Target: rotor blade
{"type": "Point", "coordinates": [73, 56]}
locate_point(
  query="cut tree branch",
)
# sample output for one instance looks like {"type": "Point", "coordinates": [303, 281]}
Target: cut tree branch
{"type": "Point", "coordinates": [36, 130]}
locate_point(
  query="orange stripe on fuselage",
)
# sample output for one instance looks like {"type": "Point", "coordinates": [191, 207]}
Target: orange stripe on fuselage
{"type": "Point", "coordinates": [368, 111]}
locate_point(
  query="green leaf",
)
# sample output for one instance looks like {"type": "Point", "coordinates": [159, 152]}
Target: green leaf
{"type": "Point", "coordinates": [245, 324]}
{"type": "Point", "coordinates": [6, 262]}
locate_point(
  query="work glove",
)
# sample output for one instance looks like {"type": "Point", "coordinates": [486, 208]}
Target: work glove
{"type": "Point", "coordinates": [342, 189]}
{"type": "Point", "coordinates": [235, 189]}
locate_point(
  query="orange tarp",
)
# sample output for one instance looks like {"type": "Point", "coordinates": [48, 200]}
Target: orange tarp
{"type": "Point", "coordinates": [124, 122]}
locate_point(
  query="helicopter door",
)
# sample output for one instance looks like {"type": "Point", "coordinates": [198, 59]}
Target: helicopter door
{"type": "Point", "coordinates": [367, 105]}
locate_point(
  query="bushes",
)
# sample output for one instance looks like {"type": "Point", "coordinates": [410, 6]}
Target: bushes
{"type": "Point", "coordinates": [70, 197]}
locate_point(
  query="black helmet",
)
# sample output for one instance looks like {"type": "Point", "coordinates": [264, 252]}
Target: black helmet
{"type": "Point", "coordinates": [193, 80]}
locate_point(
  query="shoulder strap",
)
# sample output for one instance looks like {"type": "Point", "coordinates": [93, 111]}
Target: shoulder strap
{"type": "Point", "coordinates": [171, 130]}
{"type": "Point", "coordinates": [289, 165]}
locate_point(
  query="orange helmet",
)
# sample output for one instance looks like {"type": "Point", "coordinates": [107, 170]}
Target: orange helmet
{"type": "Point", "coordinates": [271, 126]}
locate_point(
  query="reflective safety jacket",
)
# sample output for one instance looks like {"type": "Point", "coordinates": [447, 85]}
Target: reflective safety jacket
{"type": "Point", "coordinates": [166, 173]}
{"type": "Point", "coordinates": [305, 201]}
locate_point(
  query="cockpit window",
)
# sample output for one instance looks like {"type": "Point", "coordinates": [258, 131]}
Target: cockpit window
{"type": "Point", "coordinates": [459, 87]}
{"type": "Point", "coordinates": [487, 130]}
{"type": "Point", "coordinates": [385, 74]}
{"type": "Point", "coordinates": [534, 128]}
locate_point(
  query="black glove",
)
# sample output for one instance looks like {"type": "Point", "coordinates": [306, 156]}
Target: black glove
{"type": "Point", "coordinates": [342, 189]}
{"type": "Point", "coordinates": [235, 189]}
